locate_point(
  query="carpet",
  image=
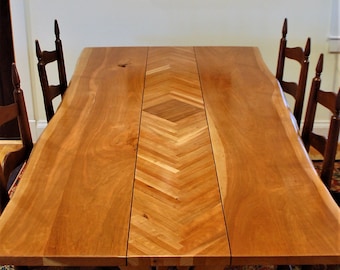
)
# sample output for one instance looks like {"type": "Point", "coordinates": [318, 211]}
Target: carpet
{"type": "Point", "coordinates": [317, 158]}
{"type": "Point", "coordinates": [335, 184]}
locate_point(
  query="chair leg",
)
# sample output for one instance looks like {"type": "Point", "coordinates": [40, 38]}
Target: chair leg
{"type": "Point", "coordinates": [320, 267]}
{"type": "Point", "coordinates": [20, 267]}
{"type": "Point", "coordinates": [284, 267]}
{"type": "Point", "coordinates": [333, 267]}
{"type": "Point", "coordinates": [306, 267]}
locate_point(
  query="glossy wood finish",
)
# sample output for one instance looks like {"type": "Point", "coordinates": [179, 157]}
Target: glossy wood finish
{"type": "Point", "coordinates": [8, 146]}
{"type": "Point", "coordinates": [276, 208]}
{"type": "Point", "coordinates": [176, 156]}
{"type": "Point", "coordinates": [176, 205]}
{"type": "Point", "coordinates": [73, 203]}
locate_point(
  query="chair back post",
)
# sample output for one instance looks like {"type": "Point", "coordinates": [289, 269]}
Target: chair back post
{"type": "Point", "coordinates": [24, 127]}
{"type": "Point", "coordinates": [281, 58]}
{"type": "Point", "coordinates": [44, 82]}
{"type": "Point", "coordinates": [294, 88]}
{"type": "Point", "coordinates": [16, 110]}
{"type": "Point", "coordinates": [44, 58]}
{"type": "Point", "coordinates": [61, 63]}
{"type": "Point", "coordinates": [4, 198]}
{"type": "Point", "coordinates": [311, 107]}
{"type": "Point", "coordinates": [330, 150]}
{"type": "Point", "coordinates": [300, 93]}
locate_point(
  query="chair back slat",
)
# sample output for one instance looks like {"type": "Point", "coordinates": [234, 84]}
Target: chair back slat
{"type": "Point", "coordinates": [8, 112]}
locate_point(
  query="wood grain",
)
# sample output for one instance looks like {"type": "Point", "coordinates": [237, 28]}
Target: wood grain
{"type": "Point", "coordinates": [7, 146]}
{"type": "Point", "coordinates": [74, 196]}
{"type": "Point", "coordinates": [176, 205]}
{"type": "Point", "coordinates": [170, 156]}
{"type": "Point", "coordinates": [277, 209]}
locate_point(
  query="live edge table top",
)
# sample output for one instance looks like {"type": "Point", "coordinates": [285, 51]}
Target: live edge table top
{"type": "Point", "coordinates": [170, 156]}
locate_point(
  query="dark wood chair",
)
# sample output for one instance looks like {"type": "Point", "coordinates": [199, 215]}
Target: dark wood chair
{"type": "Point", "coordinates": [44, 58]}
{"type": "Point", "coordinates": [295, 89]}
{"type": "Point", "coordinates": [14, 160]}
{"type": "Point", "coordinates": [327, 146]}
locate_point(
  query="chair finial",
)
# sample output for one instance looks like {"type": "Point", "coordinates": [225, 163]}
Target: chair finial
{"type": "Point", "coordinates": [319, 66]}
{"type": "Point", "coordinates": [37, 49]}
{"type": "Point", "coordinates": [15, 77]}
{"type": "Point", "coordinates": [56, 29]}
{"type": "Point", "coordinates": [284, 28]}
{"type": "Point", "coordinates": [307, 48]}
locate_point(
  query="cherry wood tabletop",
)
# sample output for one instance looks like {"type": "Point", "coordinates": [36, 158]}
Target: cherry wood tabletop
{"type": "Point", "coordinates": [170, 156]}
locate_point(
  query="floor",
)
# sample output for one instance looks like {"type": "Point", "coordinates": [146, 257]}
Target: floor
{"type": "Point", "coordinates": [7, 146]}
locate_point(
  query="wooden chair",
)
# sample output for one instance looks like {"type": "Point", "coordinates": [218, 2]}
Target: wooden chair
{"type": "Point", "coordinates": [14, 159]}
{"type": "Point", "coordinates": [327, 146]}
{"type": "Point", "coordinates": [295, 89]}
{"type": "Point", "coordinates": [44, 58]}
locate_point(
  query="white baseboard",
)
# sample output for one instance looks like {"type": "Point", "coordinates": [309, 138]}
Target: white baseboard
{"type": "Point", "coordinates": [334, 44]}
{"type": "Point", "coordinates": [37, 127]}
{"type": "Point", "coordinates": [321, 127]}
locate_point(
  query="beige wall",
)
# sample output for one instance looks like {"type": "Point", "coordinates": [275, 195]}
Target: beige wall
{"type": "Point", "coordinates": [168, 22]}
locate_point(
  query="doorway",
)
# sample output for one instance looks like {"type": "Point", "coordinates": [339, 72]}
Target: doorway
{"type": "Point", "coordinates": [9, 130]}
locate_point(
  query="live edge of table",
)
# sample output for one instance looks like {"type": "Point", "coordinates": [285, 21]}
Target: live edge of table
{"type": "Point", "coordinates": [170, 156]}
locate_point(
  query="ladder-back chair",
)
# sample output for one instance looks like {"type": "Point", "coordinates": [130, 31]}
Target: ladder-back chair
{"type": "Point", "coordinates": [295, 89]}
{"type": "Point", "coordinates": [15, 159]}
{"type": "Point", "coordinates": [44, 58]}
{"type": "Point", "coordinates": [326, 146]}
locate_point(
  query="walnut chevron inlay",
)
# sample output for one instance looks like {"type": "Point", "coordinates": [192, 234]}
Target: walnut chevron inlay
{"type": "Point", "coordinates": [176, 202]}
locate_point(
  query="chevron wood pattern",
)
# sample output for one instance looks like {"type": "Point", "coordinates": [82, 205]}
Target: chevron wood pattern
{"type": "Point", "coordinates": [171, 157]}
{"type": "Point", "coordinates": [176, 204]}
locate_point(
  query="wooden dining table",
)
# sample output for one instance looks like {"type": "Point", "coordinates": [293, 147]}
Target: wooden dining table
{"type": "Point", "coordinates": [170, 156]}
